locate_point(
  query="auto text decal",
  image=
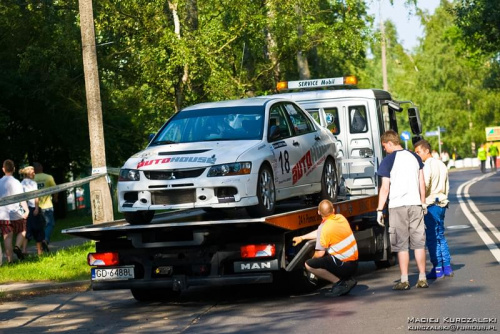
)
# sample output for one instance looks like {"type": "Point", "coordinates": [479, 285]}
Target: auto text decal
{"type": "Point", "coordinates": [151, 162]}
{"type": "Point", "coordinates": [314, 157]}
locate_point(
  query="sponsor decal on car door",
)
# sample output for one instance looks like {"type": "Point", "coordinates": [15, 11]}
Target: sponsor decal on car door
{"type": "Point", "coordinates": [308, 168]}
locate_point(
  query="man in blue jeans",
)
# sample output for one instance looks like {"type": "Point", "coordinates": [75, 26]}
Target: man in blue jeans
{"type": "Point", "coordinates": [436, 198]}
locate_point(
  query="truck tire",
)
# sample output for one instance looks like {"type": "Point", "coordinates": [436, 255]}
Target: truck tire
{"type": "Point", "coordinates": [299, 282]}
{"type": "Point", "coordinates": [139, 217]}
{"type": "Point", "coordinates": [391, 260]}
{"type": "Point", "coordinates": [151, 295]}
{"type": "Point", "coordinates": [329, 182]}
{"type": "Point", "coordinates": [266, 194]}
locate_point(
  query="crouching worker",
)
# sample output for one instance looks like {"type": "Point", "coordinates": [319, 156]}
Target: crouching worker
{"type": "Point", "coordinates": [336, 256]}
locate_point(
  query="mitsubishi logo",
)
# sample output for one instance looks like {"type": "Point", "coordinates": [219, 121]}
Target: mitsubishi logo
{"type": "Point", "coordinates": [171, 176]}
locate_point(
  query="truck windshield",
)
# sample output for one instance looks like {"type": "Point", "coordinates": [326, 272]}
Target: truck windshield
{"type": "Point", "coordinates": [213, 124]}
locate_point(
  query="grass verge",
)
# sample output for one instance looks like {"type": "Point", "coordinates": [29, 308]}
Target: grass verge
{"type": "Point", "coordinates": [67, 264]}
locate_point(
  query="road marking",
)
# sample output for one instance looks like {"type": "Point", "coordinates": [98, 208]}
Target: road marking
{"type": "Point", "coordinates": [457, 227]}
{"type": "Point", "coordinates": [479, 229]}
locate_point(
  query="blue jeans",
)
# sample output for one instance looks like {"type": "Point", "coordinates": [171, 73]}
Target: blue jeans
{"type": "Point", "coordinates": [48, 216]}
{"type": "Point", "coordinates": [435, 240]}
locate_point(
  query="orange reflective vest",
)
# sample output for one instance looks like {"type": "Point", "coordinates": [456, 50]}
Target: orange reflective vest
{"type": "Point", "coordinates": [338, 239]}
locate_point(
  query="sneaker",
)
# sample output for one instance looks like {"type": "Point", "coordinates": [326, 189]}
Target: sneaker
{"type": "Point", "coordinates": [401, 286]}
{"type": "Point", "coordinates": [342, 287]}
{"type": "Point", "coordinates": [19, 253]}
{"type": "Point", "coordinates": [448, 272]}
{"type": "Point", "coordinates": [435, 273]}
{"type": "Point", "coordinates": [422, 283]}
{"type": "Point", "coordinates": [338, 289]}
{"type": "Point", "coordinates": [45, 246]}
{"type": "Point", "coordinates": [351, 283]}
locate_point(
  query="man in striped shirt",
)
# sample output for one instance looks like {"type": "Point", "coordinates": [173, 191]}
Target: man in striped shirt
{"type": "Point", "coordinates": [336, 255]}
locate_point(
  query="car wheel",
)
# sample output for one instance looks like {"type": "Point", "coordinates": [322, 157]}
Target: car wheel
{"type": "Point", "coordinates": [150, 295]}
{"type": "Point", "coordinates": [266, 194]}
{"type": "Point", "coordinates": [329, 181]}
{"type": "Point", "coordinates": [139, 217]}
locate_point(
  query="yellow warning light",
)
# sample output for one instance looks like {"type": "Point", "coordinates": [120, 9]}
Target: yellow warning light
{"type": "Point", "coordinates": [350, 80]}
{"type": "Point", "coordinates": [282, 85]}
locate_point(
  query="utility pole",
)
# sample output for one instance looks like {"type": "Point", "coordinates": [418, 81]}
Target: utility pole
{"type": "Point", "coordinates": [384, 60]}
{"type": "Point", "coordinates": [100, 194]}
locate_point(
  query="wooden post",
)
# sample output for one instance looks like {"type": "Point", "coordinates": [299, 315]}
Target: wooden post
{"type": "Point", "coordinates": [100, 195]}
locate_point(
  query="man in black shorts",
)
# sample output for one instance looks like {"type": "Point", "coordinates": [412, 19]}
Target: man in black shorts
{"type": "Point", "coordinates": [336, 255]}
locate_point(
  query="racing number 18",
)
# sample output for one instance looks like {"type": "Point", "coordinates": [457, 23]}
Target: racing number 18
{"type": "Point", "coordinates": [286, 165]}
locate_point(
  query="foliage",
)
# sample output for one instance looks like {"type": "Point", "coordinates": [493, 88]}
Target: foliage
{"type": "Point", "coordinates": [479, 21]}
{"type": "Point", "coordinates": [443, 78]}
{"type": "Point", "coordinates": [156, 57]}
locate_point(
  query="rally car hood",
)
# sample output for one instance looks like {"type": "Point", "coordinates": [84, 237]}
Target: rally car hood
{"type": "Point", "coordinates": [189, 155]}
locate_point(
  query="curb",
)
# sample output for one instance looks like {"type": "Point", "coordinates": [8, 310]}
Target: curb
{"type": "Point", "coordinates": [17, 289]}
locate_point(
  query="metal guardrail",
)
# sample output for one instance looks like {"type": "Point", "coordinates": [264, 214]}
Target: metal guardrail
{"type": "Point", "coordinates": [55, 189]}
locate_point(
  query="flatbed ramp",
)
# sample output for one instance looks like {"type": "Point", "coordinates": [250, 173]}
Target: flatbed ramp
{"type": "Point", "coordinates": [289, 220]}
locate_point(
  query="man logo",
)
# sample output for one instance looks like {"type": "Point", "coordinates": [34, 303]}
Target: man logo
{"type": "Point", "coordinates": [240, 267]}
{"type": "Point", "coordinates": [255, 266]}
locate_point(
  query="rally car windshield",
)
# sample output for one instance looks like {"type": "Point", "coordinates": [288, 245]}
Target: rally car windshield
{"type": "Point", "coordinates": [214, 124]}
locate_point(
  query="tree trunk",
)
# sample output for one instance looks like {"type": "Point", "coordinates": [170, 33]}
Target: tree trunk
{"type": "Point", "coordinates": [271, 43]}
{"type": "Point", "coordinates": [302, 63]}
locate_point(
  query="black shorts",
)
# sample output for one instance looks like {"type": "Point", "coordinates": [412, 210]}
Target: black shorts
{"type": "Point", "coordinates": [36, 226]}
{"type": "Point", "coordinates": [342, 270]}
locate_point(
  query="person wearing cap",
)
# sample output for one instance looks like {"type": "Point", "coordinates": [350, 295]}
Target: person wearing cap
{"type": "Point", "coordinates": [336, 256]}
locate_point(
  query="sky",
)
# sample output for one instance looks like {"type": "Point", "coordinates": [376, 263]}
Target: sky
{"type": "Point", "coordinates": [408, 26]}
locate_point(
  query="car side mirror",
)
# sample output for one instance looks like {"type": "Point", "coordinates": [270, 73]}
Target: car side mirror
{"type": "Point", "coordinates": [150, 137]}
{"type": "Point", "coordinates": [414, 119]}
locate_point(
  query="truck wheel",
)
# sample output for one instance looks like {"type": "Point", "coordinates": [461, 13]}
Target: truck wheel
{"type": "Point", "coordinates": [151, 295]}
{"type": "Point", "coordinates": [299, 282]}
{"type": "Point", "coordinates": [391, 260]}
{"type": "Point", "coordinates": [139, 217]}
{"type": "Point", "coordinates": [265, 193]}
{"type": "Point", "coordinates": [329, 182]}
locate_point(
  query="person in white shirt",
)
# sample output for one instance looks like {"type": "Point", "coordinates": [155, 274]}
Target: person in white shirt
{"type": "Point", "coordinates": [11, 215]}
{"type": "Point", "coordinates": [402, 182]}
{"type": "Point", "coordinates": [35, 225]}
{"type": "Point", "coordinates": [436, 198]}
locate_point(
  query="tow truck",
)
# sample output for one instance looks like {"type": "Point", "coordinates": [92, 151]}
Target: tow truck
{"type": "Point", "coordinates": [192, 247]}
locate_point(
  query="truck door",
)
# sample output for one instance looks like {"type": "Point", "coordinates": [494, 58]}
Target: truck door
{"type": "Point", "coordinates": [359, 147]}
{"type": "Point", "coordinates": [351, 123]}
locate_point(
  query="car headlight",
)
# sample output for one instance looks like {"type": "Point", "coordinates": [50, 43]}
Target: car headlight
{"type": "Point", "coordinates": [129, 175]}
{"type": "Point", "coordinates": [236, 168]}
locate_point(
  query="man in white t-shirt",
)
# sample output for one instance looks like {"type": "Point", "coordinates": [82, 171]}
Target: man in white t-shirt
{"type": "Point", "coordinates": [11, 216]}
{"type": "Point", "coordinates": [403, 183]}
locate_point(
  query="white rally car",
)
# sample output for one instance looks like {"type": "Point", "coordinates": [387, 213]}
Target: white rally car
{"type": "Point", "coordinates": [242, 153]}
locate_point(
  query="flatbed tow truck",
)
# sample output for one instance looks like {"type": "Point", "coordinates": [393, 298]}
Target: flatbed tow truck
{"type": "Point", "coordinates": [189, 248]}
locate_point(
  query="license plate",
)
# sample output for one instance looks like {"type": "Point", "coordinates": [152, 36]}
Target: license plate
{"type": "Point", "coordinates": [118, 273]}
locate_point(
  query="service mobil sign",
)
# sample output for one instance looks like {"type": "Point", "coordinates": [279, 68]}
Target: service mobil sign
{"type": "Point", "coordinates": [493, 133]}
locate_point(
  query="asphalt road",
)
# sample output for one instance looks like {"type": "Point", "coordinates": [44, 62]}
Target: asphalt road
{"type": "Point", "coordinates": [472, 222]}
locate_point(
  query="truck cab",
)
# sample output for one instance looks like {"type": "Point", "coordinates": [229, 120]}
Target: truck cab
{"type": "Point", "coordinates": [357, 118]}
